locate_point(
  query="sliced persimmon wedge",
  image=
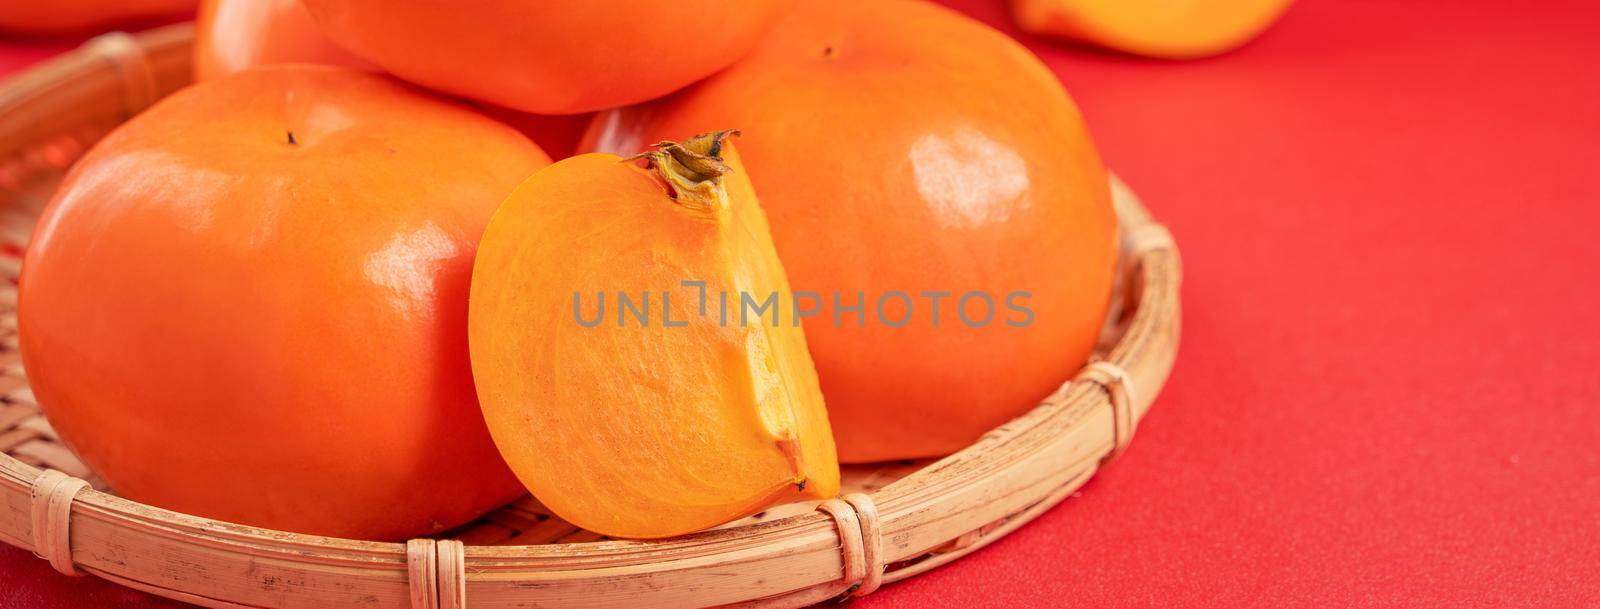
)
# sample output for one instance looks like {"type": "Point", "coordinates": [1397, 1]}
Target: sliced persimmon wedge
{"type": "Point", "coordinates": [635, 345]}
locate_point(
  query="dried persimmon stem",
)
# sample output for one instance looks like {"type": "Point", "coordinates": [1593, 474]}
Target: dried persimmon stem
{"type": "Point", "coordinates": [692, 169]}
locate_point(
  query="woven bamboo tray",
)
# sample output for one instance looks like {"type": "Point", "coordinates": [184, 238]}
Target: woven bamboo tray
{"type": "Point", "coordinates": [896, 521]}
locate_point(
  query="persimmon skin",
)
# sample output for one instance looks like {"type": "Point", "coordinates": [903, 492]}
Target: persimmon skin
{"type": "Point", "coordinates": [557, 135]}
{"type": "Point", "coordinates": [899, 146]}
{"type": "Point", "coordinates": [249, 303]}
{"type": "Point", "coordinates": [561, 57]}
{"type": "Point", "coordinates": [1160, 29]}
{"type": "Point", "coordinates": [82, 16]}
{"type": "Point", "coordinates": [642, 431]}
{"type": "Point", "coordinates": [235, 35]}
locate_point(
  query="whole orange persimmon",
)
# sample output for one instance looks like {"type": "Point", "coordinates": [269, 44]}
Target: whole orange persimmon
{"type": "Point", "coordinates": [550, 57]}
{"type": "Point", "coordinates": [932, 172]}
{"type": "Point", "coordinates": [63, 16]}
{"type": "Point", "coordinates": [249, 303]}
{"type": "Point", "coordinates": [235, 35]}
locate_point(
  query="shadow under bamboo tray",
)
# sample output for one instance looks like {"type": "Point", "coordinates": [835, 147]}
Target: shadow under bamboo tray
{"type": "Point", "coordinates": [897, 520]}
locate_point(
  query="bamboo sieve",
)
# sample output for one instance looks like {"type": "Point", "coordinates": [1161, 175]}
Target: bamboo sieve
{"type": "Point", "coordinates": [895, 521]}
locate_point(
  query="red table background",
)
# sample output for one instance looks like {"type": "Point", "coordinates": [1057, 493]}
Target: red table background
{"type": "Point", "coordinates": [1389, 387]}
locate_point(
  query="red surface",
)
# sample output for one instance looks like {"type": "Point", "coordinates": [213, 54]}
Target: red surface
{"type": "Point", "coordinates": [1389, 389]}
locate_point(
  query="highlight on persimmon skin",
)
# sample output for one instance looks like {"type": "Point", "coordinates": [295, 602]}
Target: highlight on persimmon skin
{"type": "Point", "coordinates": [249, 303]}
{"type": "Point", "coordinates": [83, 16]}
{"type": "Point", "coordinates": [235, 35]}
{"type": "Point", "coordinates": [900, 146]}
{"type": "Point", "coordinates": [632, 426]}
{"type": "Point", "coordinates": [1188, 29]}
{"type": "Point", "coordinates": [550, 57]}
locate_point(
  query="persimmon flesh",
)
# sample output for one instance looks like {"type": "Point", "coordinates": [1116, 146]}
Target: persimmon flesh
{"type": "Point", "coordinates": [1165, 29]}
{"type": "Point", "coordinates": [973, 172]}
{"type": "Point", "coordinates": [550, 57]}
{"type": "Point", "coordinates": [249, 303]}
{"type": "Point", "coordinates": [633, 426]}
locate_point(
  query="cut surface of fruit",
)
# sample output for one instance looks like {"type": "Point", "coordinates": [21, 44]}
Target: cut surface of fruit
{"type": "Point", "coordinates": [621, 376]}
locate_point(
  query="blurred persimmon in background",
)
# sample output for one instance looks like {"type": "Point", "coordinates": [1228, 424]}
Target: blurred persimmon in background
{"type": "Point", "coordinates": [83, 16]}
{"type": "Point", "coordinates": [1166, 29]}
{"type": "Point", "coordinates": [899, 146]}
{"type": "Point", "coordinates": [234, 35]}
{"type": "Point", "coordinates": [550, 57]}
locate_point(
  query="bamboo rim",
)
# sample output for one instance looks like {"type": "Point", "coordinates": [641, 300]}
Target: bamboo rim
{"type": "Point", "coordinates": [849, 546]}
